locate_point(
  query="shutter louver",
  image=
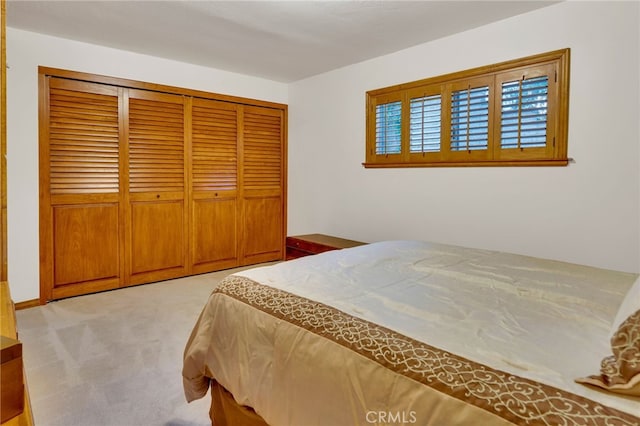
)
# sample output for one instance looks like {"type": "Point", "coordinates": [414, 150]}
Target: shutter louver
{"type": "Point", "coordinates": [524, 113]}
{"type": "Point", "coordinates": [156, 141]}
{"type": "Point", "coordinates": [425, 123]}
{"type": "Point", "coordinates": [215, 158]}
{"type": "Point", "coordinates": [83, 142]}
{"type": "Point", "coordinates": [262, 151]}
{"type": "Point", "coordinates": [470, 119]}
{"type": "Point", "coordinates": [388, 128]}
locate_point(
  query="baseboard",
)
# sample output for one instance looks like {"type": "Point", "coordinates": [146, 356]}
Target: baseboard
{"type": "Point", "coordinates": [27, 304]}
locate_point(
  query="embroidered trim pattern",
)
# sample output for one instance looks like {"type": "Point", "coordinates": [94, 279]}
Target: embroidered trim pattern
{"type": "Point", "coordinates": [620, 372]}
{"type": "Point", "coordinates": [516, 399]}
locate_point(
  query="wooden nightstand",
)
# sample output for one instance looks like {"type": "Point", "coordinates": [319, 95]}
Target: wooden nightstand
{"type": "Point", "coordinates": [305, 245]}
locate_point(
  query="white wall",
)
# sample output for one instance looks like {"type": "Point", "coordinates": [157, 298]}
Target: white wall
{"type": "Point", "coordinates": [588, 212]}
{"type": "Point", "coordinates": [25, 52]}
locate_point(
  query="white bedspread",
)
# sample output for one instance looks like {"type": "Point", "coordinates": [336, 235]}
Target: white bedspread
{"type": "Point", "coordinates": [539, 319]}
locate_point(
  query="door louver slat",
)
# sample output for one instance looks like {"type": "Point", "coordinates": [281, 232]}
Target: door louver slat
{"type": "Point", "coordinates": [83, 142]}
{"type": "Point", "coordinates": [214, 146]}
{"type": "Point", "coordinates": [156, 141]}
{"type": "Point", "coordinates": [262, 151]}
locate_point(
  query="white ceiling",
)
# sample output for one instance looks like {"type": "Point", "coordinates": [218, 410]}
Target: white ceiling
{"type": "Point", "coordinates": [278, 40]}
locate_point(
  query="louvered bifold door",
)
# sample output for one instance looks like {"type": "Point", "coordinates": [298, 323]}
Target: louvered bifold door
{"type": "Point", "coordinates": [263, 183]}
{"type": "Point", "coordinates": [214, 171]}
{"type": "Point", "coordinates": [80, 226]}
{"type": "Point", "coordinates": [157, 214]}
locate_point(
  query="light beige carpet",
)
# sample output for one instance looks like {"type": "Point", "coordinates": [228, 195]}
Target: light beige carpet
{"type": "Point", "coordinates": [114, 358]}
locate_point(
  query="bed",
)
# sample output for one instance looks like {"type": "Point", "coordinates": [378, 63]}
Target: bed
{"type": "Point", "coordinates": [411, 332]}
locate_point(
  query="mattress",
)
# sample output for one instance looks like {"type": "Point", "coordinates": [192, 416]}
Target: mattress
{"type": "Point", "coordinates": [412, 332]}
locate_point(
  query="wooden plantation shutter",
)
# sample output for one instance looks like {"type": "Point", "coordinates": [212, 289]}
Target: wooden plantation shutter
{"type": "Point", "coordinates": [425, 123]}
{"type": "Point", "coordinates": [388, 128]}
{"type": "Point", "coordinates": [425, 117]}
{"type": "Point", "coordinates": [215, 184]}
{"type": "Point", "coordinates": [384, 122]}
{"type": "Point", "coordinates": [526, 110]}
{"type": "Point", "coordinates": [507, 114]}
{"type": "Point", "coordinates": [158, 219]}
{"type": "Point", "coordinates": [262, 183]}
{"type": "Point", "coordinates": [79, 188]}
{"type": "Point", "coordinates": [470, 119]}
{"type": "Point", "coordinates": [469, 116]}
{"type": "Point", "coordinates": [524, 113]}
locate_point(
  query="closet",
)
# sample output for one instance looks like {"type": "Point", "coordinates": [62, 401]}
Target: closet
{"type": "Point", "coordinates": [142, 182]}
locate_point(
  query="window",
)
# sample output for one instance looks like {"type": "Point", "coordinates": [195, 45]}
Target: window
{"type": "Point", "coordinates": [470, 119]}
{"type": "Point", "coordinates": [425, 116]}
{"type": "Point", "coordinates": [507, 114]}
{"type": "Point", "coordinates": [388, 128]}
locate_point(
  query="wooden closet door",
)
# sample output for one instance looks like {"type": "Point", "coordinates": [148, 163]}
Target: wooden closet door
{"type": "Point", "coordinates": [263, 184]}
{"type": "Point", "coordinates": [80, 216]}
{"type": "Point", "coordinates": [157, 216]}
{"type": "Point", "coordinates": [214, 170]}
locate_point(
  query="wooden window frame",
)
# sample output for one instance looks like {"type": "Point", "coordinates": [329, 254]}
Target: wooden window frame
{"type": "Point", "coordinates": [553, 64]}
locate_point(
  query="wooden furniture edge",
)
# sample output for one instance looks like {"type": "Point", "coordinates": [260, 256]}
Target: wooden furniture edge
{"type": "Point", "coordinates": [9, 329]}
{"type": "Point", "coordinates": [26, 304]}
{"type": "Point", "coordinates": [309, 244]}
{"type": "Point", "coordinates": [3, 143]}
{"type": "Point", "coordinates": [328, 240]}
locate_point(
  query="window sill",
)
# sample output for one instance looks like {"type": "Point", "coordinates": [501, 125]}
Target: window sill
{"type": "Point", "coordinates": [503, 163]}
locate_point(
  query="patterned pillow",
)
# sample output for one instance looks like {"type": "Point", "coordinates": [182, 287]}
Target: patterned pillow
{"type": "Point", "coordinates": [629, 305]}
{"type": "Point", "coordinates": [620, 372]}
